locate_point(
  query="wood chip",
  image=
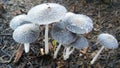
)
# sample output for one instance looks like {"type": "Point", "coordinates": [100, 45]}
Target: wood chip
{"type": "Point", "coordinates": [19, 53]}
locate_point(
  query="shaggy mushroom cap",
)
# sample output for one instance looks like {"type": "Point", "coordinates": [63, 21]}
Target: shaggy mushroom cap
{"type": "Point", "coordinates": [46, 13]}
{"type": "Point", "coordinates": [80, 43]}
{"type": "Point", "coordinates": [78, 23]}
{"type": "Point", "coordinates": [107, 41]}
{"type": "Point", "coordinates": [18, 21]}
{"type": "Point", "coordinates": [60, 34]}
{"type": "Point", "coordinates": [26, 33]}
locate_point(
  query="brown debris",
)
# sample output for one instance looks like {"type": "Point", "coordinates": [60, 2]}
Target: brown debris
{"type": "Point", "coordinates": [17, 12]}
{"type": "Point", "coordinates": [51, 46]}
{"type": "Point", "coordinates": [18, 53]}
{"type": "Point", "coordinates": [98, 65]}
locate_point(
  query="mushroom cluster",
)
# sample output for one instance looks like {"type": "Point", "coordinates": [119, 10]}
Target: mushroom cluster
{"type": "Point", "coordinates": [68, 29]}
{"type": "Point", "coordinates": [42, 14]}
{"type": "Point", "coordinates": [25, 32]}
{"type": "Point", "coordinates": [45, 14]}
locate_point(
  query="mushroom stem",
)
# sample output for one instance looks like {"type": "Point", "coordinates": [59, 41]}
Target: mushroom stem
{"type": "Point", "coordinates": [56, 52]}
{"type": "Point", "coordinates": [26, 47]}
{"type": "Point", "coordinates": [96, 56]}
{"type": "Point", "coordinates": [46, 40]}
{"type": "Point", "coordinates": [67, 52]}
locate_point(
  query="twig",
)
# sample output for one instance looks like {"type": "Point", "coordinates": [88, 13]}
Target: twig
{"type": "Point", "coordinates": [6, 61]}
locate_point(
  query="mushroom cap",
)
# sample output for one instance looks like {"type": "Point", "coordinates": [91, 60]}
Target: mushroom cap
{"type": "Point", "coordinates": [63, 36]}
{"type": "Point", "coordinates": [18, 21]}
{"type": "Point", "coordinates": [68, 14]}
{"type": "Point", "coordinates": [78, 23]}
{"type": "Point", "coordinates": [26, 33]}
{"type": "Point", "coordinates": [80, 43]}
{"type": "Point", "coordinates": [46, 13]}
{"type": "Point", "coordinates": [107, 41]}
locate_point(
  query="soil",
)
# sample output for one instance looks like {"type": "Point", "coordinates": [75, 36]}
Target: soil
{"type": "Point", "coordinates": [104, 13]}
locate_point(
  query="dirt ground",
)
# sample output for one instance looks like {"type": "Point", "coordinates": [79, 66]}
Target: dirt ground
{"type": "Point", "coordinates": [104, 13]}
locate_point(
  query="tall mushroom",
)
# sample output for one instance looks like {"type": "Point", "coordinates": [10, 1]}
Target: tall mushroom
{"type": "Point", "coordinates": [26, 34]}
{"type": "Point", "coordinates": [108, 41]}
{"type": "Point", "coordinates": [45, 14]}
{"type": "Point", "coordinates": [18, 21]}
{"type": "Point", "coordinates": [62, 36]}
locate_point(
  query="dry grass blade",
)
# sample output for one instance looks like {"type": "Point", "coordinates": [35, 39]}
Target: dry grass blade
{"type": "Point", "coordinates": [18, 53]}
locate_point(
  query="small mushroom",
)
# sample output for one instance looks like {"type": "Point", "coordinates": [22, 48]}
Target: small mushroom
{"type": "Point", "coordinates": [108, 41]}
{"type": "Point", "coordinates": [61, 35]}
{"type": "Point", "coordinates": [80, 43]}
{"type": "Point", "coordinates": [45, 14]}
{"type": "Point", "coordinates": [78, 23]}
{"type": "Point", "coordinates": [18, 21]}
{"type": "Point", "coordinates": [26, 34]}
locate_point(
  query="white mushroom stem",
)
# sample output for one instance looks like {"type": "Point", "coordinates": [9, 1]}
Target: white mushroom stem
{"type": "Point", "coordinates": [67, 52]}
{"type": "Point", "coordinates": [56, 52]}
{"type": "Point", "coordinates": [46, 40]}
{"type": "Point", "coordinates": [96, 56]}
{"type": "Point", "coordinates": [26, 47]}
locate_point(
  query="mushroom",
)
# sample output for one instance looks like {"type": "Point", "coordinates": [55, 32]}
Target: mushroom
{"type": "Point", "coordinates": [26, 34]}
{"type": "Point", "coordinates": [61, 35]}
{"type": "Point", "coordinates": [80, 43]}
{"type": "Point", "coordinates": [45, 14]}
{"type": "Point", "coordinates": [78, 23]}
{"type": "Point", "coordinates": [18, 21]}
{"type": "Point", "coordinates": [108, 41]}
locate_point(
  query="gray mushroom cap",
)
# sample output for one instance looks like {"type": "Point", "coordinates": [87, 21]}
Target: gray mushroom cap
{"type": "Point", "coordinates": [63, 36]}
{"type": "Point", "coordinates": [26, 33]}
{"type": "Point", "coordinates": [18, 21]}
{"type": "Point", "coordinates": [80, 43]}
{"type": "Point", "coordinates": [46, 13]}
{"type": "Point", "coordinates": [78, 23]}
{"type": "Point", "coordinates": [107, 41]}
